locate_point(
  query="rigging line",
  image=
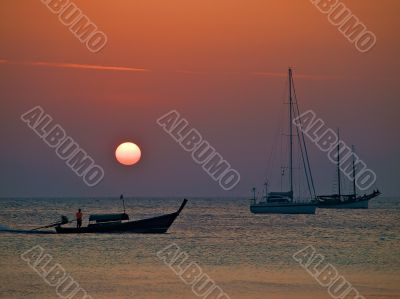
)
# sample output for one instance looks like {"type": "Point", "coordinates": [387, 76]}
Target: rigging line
{"type": "Point", "coordinates": [306, 170]}
{"type": "Point", "coordinates": [299, 157]}
{"type": "Point", "coordinates": [276, 145]}
{"type": "Point", "coordinates": [273, 150]}
{"type": "Point", "coordinates": [334, 184]}
{"type": "Point", "coordinates": [304, 142]}
{"type": "Point", "coordinates": [304, 162]}
{"type": "Point", "coordinates": [276, 140]}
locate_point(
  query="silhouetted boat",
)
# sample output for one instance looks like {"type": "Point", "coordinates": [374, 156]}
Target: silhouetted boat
{"type": "Point", "coordinates": [345, 201]}
{"type": "Point", "coordinates": [119, 223]}
{"type": "Point", "coordinates": [283, 202]}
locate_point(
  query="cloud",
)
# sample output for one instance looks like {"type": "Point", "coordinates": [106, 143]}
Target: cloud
{"type": "Point", "coordinates": [187, 72]}
{"type": "Point", "coordinates": [75, 66]}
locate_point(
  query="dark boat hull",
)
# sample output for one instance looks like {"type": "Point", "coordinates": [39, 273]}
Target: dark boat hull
{"type": "Point", "coordinates": [360, 202]}
{"type": "Point", "coordinates": [283, 208]}
{"type": "Point", "coordinates": [363, 204]}
{"type": "Point", "coordinates": [155, 225]}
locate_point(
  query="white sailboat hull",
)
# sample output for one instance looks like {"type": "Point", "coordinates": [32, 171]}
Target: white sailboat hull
{"type": "Point", "coordinates": [346, 205]}
{"type": "Point", "coordinates": [283, 208]}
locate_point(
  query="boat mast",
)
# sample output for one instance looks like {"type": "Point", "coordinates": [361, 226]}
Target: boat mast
{"type": "Point", "coordinates": [338, 164]}
{"type": "Point", "coordinates": [290, 135]}
{"type": "Point", "coordinates": [123, 201]}
{"type": "Point", "coordinates": [266, 189]}
{"type": "Point", "coordinates": [354, 173]}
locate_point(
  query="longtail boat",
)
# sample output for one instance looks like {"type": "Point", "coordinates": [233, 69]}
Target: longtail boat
{"type": "Point", "coordinates": [119, 223]}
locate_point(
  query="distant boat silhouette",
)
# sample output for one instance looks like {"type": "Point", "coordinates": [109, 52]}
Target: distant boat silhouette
{"type": "Point", "coordinates": [345, 201]}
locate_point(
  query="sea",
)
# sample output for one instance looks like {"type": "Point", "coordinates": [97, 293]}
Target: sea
{"type": "Point", "coordinates": [242, 254]}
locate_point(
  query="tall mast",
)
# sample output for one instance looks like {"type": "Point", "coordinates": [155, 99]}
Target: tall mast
{"type": "Point", "coordinates": [123, 201]}
{"type": "Point", "coordinates": [266, 188]}
{"type": "Point", "coordinates": [338, 164]}
{"type": "Point", "coordinates": [290, 135]}
{"type": "Point", "coordinates": [354, 173]}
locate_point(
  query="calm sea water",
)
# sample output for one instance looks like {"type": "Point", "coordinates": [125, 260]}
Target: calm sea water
{"type": "Point", "coordinates": [249, 256]}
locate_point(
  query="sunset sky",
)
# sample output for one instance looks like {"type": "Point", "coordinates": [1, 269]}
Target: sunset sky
{"type": "Point", "coordinates": [221, 64]}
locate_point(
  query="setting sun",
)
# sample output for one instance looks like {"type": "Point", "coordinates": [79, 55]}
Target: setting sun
{"type": "Point", "coordinates": [128, 153]}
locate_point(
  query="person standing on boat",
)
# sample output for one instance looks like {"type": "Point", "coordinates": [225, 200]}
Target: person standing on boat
{"type": "Point", "coordinates": [79, 217]}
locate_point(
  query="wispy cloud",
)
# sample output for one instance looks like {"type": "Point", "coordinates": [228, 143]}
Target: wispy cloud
{"type": "Point", "coordinates": [75, 66]}
{"type": "Point", "coordinates": [181, 71]}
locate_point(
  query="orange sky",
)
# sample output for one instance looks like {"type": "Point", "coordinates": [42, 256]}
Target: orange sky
{"type": "Point", "coordinates": [220, 63]}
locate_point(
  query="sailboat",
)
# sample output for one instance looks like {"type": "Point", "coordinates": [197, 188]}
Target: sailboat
{"type": "Point", "coordinates": [283, 202]}
{"type": "Point", "coordinates": [345, 201]}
